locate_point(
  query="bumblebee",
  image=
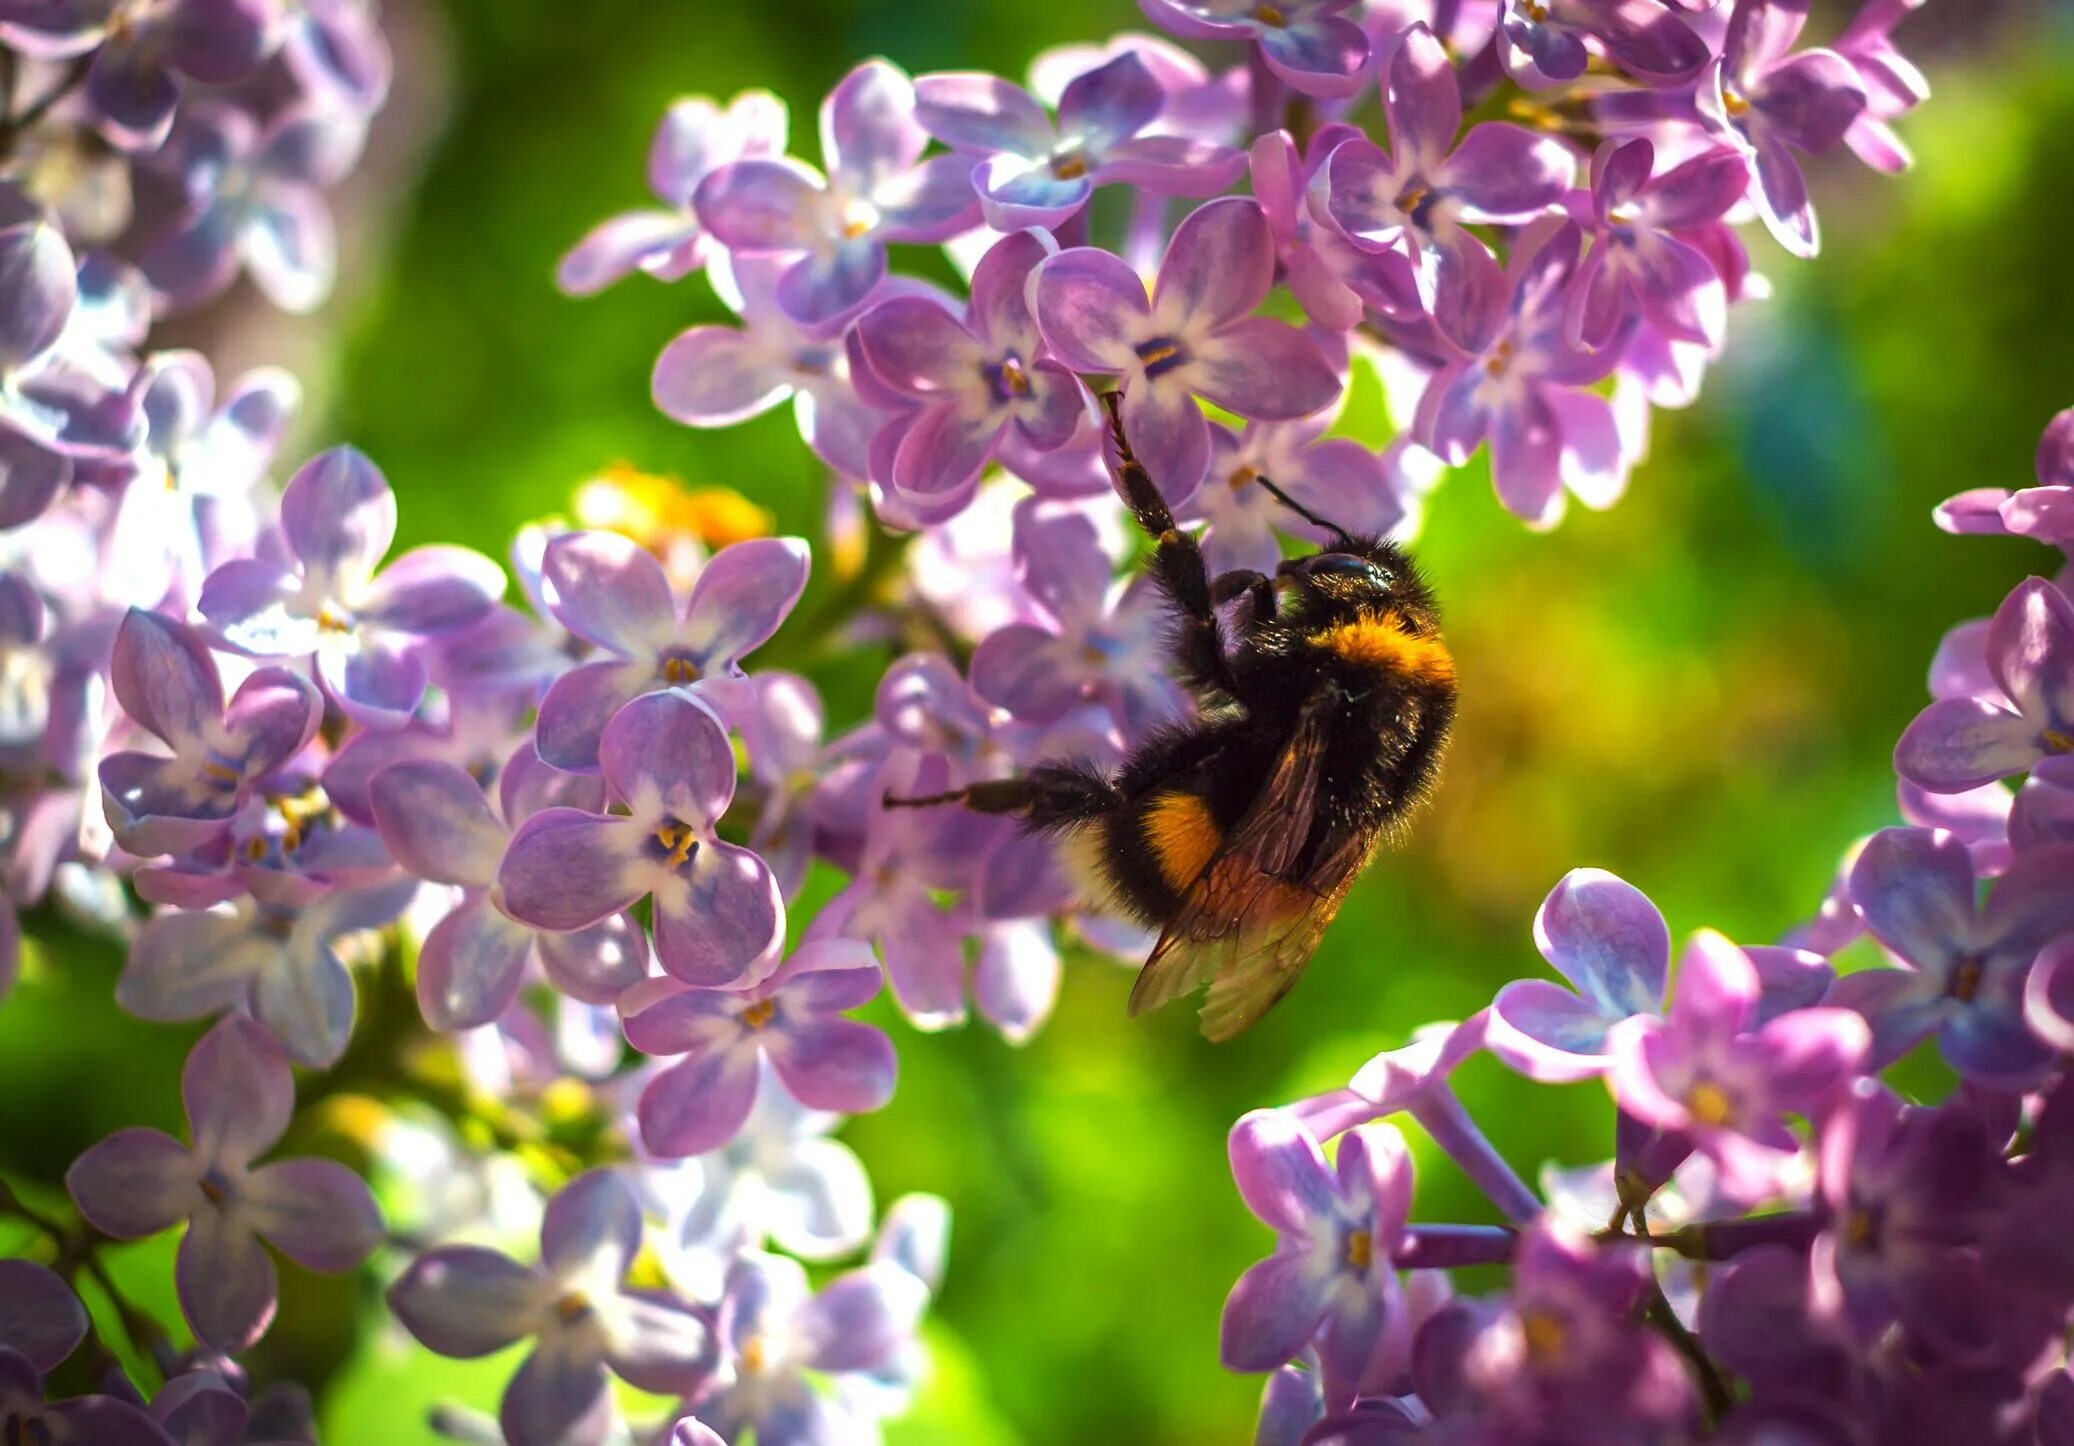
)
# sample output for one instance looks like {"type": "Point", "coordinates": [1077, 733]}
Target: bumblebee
{"type": "Point", "coordinates": [1320, 728]}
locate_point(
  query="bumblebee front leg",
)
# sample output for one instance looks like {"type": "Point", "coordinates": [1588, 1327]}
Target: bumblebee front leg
{"type": "Point", "coordinates": [1048, 796]}
{"type": "Point", "coordinates": [1178, 564]}
{"type": "Point", "coordinates": [1256, 586]}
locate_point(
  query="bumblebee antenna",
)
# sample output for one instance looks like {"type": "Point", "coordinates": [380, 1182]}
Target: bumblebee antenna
{"type": "Point", "coordinates": [1344, 536]}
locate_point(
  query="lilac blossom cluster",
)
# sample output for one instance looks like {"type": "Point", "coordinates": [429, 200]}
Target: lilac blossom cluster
{"type": "Point", "coordinates": [571, 823]}
{"type": "Point", "coordinates": [1786, 1245]}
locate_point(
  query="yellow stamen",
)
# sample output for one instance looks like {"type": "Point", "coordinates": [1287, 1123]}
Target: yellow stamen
{"type": "Point", "coordinates": [573, 1307]}
{"type": "Point", "coordinates": [1499, 359]}
{"type": "Point", "coordinates": [1270, 15]}
{"type": "Point", "coordinates": [1709, 1103]}
{"type": "Point", "coordinates": [330, 620]}
{"type": "Point", "coordinates": [1069, 167]}
{"type": "Point", "coordinates": [1015, 378]}
{"type": "Point", "coordinates": [754, 1355]}
{"type": "Point", "coordinates": [757, 1015]}
{"type": "Point", "coordinates": [679, 670]}
{"type": "Point", "coordinates": [1734, 104]}
{"type": "Point", "coordinates": [1240, 476]}
{"type": "Point", "coordinates": [1966, 980]}
{"type": "Point", "coordinates": [679, 841]}
{"type": "Point", "coordinates": [1165, 351]}
{"type": "Point", "coordinates": [1545, 1334]}
{"type": "Point", "coordinates": [222, 773]}
{"type": "Point", "coordinates": [2057, 741]}
{"type": "Point", "coordinates": [1858, 1228]}
{"type": "Point", "coordinates": [1360, 1250]}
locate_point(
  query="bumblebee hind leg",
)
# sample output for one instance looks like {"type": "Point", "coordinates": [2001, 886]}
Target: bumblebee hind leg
{"type": "Point", "coordinates": [1049, 796]}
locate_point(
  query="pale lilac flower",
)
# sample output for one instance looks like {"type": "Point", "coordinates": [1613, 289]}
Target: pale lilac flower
{"type": "Point", "coordinates": [781, 1178]}
{"type": "Point", "coordinates": [1893, 84]}
{"type": "Point", "coordinates": [1332, 279]}
{"type": "Point", "coordinates": [141, 50]}
{"type": "Point", "coordinates": [338, 518]}
{"type": "Point", "coordinates": [695, 138]}
{"type": "Point", "coordinates": [2044, 512]}
{"type": "Point", "coordinates": [1769, 102]}
{"type": "Point", "coordinates": [1637, 261]}
{"type": "Point", "coordinates": [1523, 386]}
{"type": "Point", "coordinates": [720, 1038]}
{"type": "Point", "coordinates": [1959, 743]}
{"type": "Point", "coordinates": [1905, 1188]}
{"type": "Point", "coordinates": [41, 1320]}
{"type": "Point", "coordinates": [1037, 172]}
{"type": "Point", "coordinates": [976, 377]}
{"type": "Point", "coordinates": [439, 826]}
{"type": "Point", "coordinates": [1309, 45]}
{"type": "Point", "coordinates": [1918, 890]}
{"type": "Point", "coordinates": [717, 376]}
{"type": "Point", "coordinates": [1603, 935]}
{"type": "Point", "coordinates": [337, 46]}
{"type": "Point", "coordinates": [255, 202]}
{"type": "Point", "coordinates": [878, 189]}
{"type": "Point", "coordinates": [1199, 104]}
{"type": "Point", "coordinates": [608, 591]}
{"type": "Point", "coordinates": [239, 1093]}
{"type": "Point", "coordinates": [1196, 337]}
{"type": "Point", "coordinates": [1363, 491]}
{"type": "Point", "coordinates": [1332, 1279]}
{"type": "Point", "coordinates": [2043, 812]}
{"type": "Point", "coordinates": [1980, 817]}
{"type": "Point", "coordinates": [167, 682]}
{"type": "Point", "coordinates": [781, 726]}
{"type": "Point", "coordinates": [1090, 647]}
{"type": "Point", "coordinates": [102, 1420]}
{"type": "Point", "coordinates": [1710, 1072]}
{"type": "Point", "coordinates": [276, 959]}
{"type": "Point", "coordinates": [586, 1323]}
{"type": "Point", "coordinates": [718, 917]}
{"type": "Point", "coordinates": [774, 1332]}
{"type": "Point", "coordinates": [1411, 203]}
{"type": "Point", "coordinates": [1548, 42]}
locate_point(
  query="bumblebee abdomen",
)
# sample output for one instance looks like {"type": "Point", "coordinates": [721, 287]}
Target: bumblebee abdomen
{"type": "Point", "coordinates": [1146, 854]}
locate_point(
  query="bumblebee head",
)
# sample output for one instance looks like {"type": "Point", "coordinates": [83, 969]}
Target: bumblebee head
{"type": "Point", "coordinates": [1362, 576]}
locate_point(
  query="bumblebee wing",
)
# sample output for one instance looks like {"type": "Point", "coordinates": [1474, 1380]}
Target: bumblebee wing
{"type": "Point", "coordinates": [1245, 925]}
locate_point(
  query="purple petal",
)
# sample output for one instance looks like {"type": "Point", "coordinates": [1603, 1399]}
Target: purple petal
{"type": "Point", "coordinates": [567, 869]}
{"type": "Point", "coordinates": [1810, 1054]}
{"type": "Point", "coordinates": [135, 1183]}
{"type": "Point", "coordinates": [2049, 996]}
{"type": "Point", "coordinates": [1782, 198]}
{"type": "Point", "coordinates": [1092, 310]}
{"type": "Point", "coordinates": [247, 600]}
{"type": "Point", "coordinates": [2031, 652]}
{"type": "Point", "coordinates": [340, 518]}
{"type": "Point", "coordinates": [1702, 189]}
{"type": "Point", "coordinates": [868, 125]}
{"type": "Point", "coordinates": [470, 966]}
{"type": "Point", "coordinates": [239, 1093]}
{"type": "Point", "coordinates": [730, 921]}
{"type": "Point", "coordinates": [826, 286]}
{"type": "Point", "coordinates": [741, 598]}
{"type": "Point", "coordinates": [1650, 42]}
{"type": "Point", "coordinates": [591, 1227]}
{"type": "Point", "coordinates": [1218, 266]}
{"type": "Point", "coordinates": [40, 1317]}
{"type": "Point", "coordinates": [1469, 292]}
{"type": "Point", "coordinates": [1547, 1033]}
{"type": "Point", "coordinates": [1957, 744]}
{"type": "Point", "coordinates": [132, 94]}
{"type": "Point", "coordinates": [39, 279]}
{"type": "Point", "coordinates": [1506, 173]}
{"type": "Point", "coordinates": [1111, 102]}
{"type": "Point", "coordinates": [1280, 1171]}
{"type": "Point", "coordinates": [698, 1105]}
{"type": "Point", "coordinates": [304, 994]}
{"type": "Point", "coordinates": [31, 477]}
{"type": "Point", "coordinates": [318, 1213]}
{"type": "Point", "coordinates": [946, 446]}
{"type": "Point", "coordinates": [716, 376]}
{"type": "Point", "coordinates": [560, 1397]}
{"type": "Point", "coordinates": [1423, 101]}
{"type": "Point", "coordinates": [931, 203]}
{"type": "Point", "coordinates": [1916, 890]}
{"type": "Point", "coordinates": [668, 756]}
{"type": "Point", "coordinates": [972, 110]}
{"type": "Point", "coordinates": [608, 590]}
{"type": "Point", "coordinates": [436, 822]}
{"type": "Point", "coordinates": [435, 589]}
{"type": "Point", "coordinates": [1526, 460]}
{"type": "Point", "coordinates": [661, 1344]}
{"type": "Point", "coordinates": [763, 205]}
{"type": "Point", "coordinates": [271, 718]}
{"type": "Point", "coordinates": [1172, 165]}
{"type": "Point", "coordinates": [580, 703]}
{"type": "Point", "coordinates": [226, 1281]}
{"type": "Point", "coordinates": [378, 683]}
{"type": "Point", "coordinates": [189, 965]}
{"type": "Point", "coordinates": [1271, 1313]}
{"type": "Point", "coordinates": [1169, 433]}
{"type": "Point", "coordinates": [621, 245]}
{"type": "Point", "coordinates": [1264, 369]}
{"type": "Point", "coordinates": [835, 1064]}
{"type": "Point", "coordinates": [1323, 55]}
{"type": "Point", "coordinates": [1604, 936]}
{"type": "Point", "coordinates": [165, 678]}
{"type": "Point", "coordinates": [1811, 100]}
{"type": "Point", "coordinates": [859, 1320]}
{"type": "Point", "coordinates": [1789, 979]}
{"type": "Point", "coordinates": [467, 1301]}
{"type": "Point", "coordinates": [2055, 457]}
{"type": "Point", "coordinates": [917, 347]}
{"type": "Point", "coordinates": [597, 964]}
{"type": "Point", "coordinates": [1717, 989]}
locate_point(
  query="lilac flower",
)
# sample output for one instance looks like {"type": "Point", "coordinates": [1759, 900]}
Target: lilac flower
{"type": "Point", "coordinates": [1768, 102]}
{"type": "Point", "coordinates": [1522, 386]}
{"type": "Point", "coordinates": [255, 201]}
{"type": "Point", "coordinates": [2044, 512]}
{"type": "Point", "coordinates": [1363, 491]}
{"type": "Point", "coordinates": [608, 591]}
{"type": "Point", "coordinates": [337, 47]}
{"type": "Point", "coordinates": [1544, 42]}
{"type": "Point", "coordinates": [41, 1320]}
{"type": "Point", "coordinates": [1411, 203]}
{"type": "Point", "coordinates": [1636, 260]}
{"type": "Point", "coordinates": [878, 190]}
{"type": "Point", "coordinates": [338, 518]}
{"type": "Point", "coordinates": [1958, 743]}
{"type": "Point", "coordinates": [781, 728]}
{"type": "Point", "coordinates": [774, 1332]}
{"type": "Point", "coordinates": [825, 1062]}
{"type": "Point", "coordinates": [2043, 812]}
{"type": "Point", "coordinates": [1603, 935]}
{"type": "Point", "coordinates": [976, 378]}
{"type": "Point", "coordinates": [717, 376]}
{"type": "Point", "coordinates": [51, 410]}
{"type": "Point", "coordinates": [1037, 173]}
{"type": "Point", "coordinates": [103, 1420]}
{"type": "Point", "coordinates": [1333, 1275]}
{"type": "Point", "coordinates": [1904, 1188]}
{"type": "Point", "coordinates": [166, 680]}
{"type": "Point", "coordinates": [718, 917]}
{"type": "Point", "coordinates": [696, 138]}
{"type": "Point", "coordinates": [1307, 44]}
{"type": "Point", "coordinates": [239, 1093]}
{"type": "Point", "coordinates": [780, 1178]}
{"type": "Point", "coordinates": [439, 826]}
{"type": "Point", "coordinates": [1893, 85]}
{"type": "Point", "coordinates": [277, 959]}
{"type": "Point", "coordinates": [1705, 1072]}
{"type": "Point", "coordinates": [1965, 982]}
{"type": "Point", "coordinates": [140, 49]}
{"type": "Point", "coordinates": [1087, 649]}
{"type": "Point", "coordinates": [1980, 817]}
{"type": "Point", "coordinates": [1197, 337]}
{"type": "Point", "coordinates": [585, 1322]}
{"type": "Point", "coordinates": [1331, 278]}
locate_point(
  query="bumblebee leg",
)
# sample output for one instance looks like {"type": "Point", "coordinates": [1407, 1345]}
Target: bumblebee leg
{"type": "Point", "coordinates": [1046, 797]}
{"type": "Point", "coordinates": [1177, 563]}
{"type": "Point", "coordinates": [1254, 585]}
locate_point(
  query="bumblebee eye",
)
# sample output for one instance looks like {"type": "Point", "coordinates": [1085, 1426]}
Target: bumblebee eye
{"type": "Point", "coordinates": [1348, 565]}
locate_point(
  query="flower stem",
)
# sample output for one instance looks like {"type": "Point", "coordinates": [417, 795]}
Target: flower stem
{"type": "Point", "coordinates": [1724, 1239]}
{"type": "Point", "coordinates": [1443, 1117]}
{"type": "Point", "coordinates": [12, 127]}
{"type": "Point", "coordinates": [1444, 1247]}
{"type": "Point", "coordinates": [1713, 1389]}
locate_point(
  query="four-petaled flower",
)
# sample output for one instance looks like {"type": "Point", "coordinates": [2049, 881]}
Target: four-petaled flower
{"type": "Point", "coordinates": [1958, 743]}
{"type": "Point", "coordinates": [338, 518]}
{"type": "Point", "coordinates": [1037, 173]}
{"type": "Point", "coordinates": [586, 1323]}
{"type": "Point", "coordinates": [609, 591]}
{"type": "Point", "coordinates": [1197, 336]}
{"type": "Point", "coordinates": [1307, 44]}
{"type": "Point", "coordinates": [1637, 262]}
{"type": "Point", "coordinates": [718, 917]}
{"type": "Point", "coordinates": [166, 680]}
{"type": "Point", "coordinates": [722, 1037]}
{"type": "Point", "coordinates": [239, 1093]}
{"type": "Point", "coordinates": [1544, 42]}
{"type": "Point", "coordinates": [878, 190]}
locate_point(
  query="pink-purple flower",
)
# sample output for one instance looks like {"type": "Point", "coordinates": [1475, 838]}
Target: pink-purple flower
{"type": "Point", "coordinates": [1958, 743]}
{"type": "Point", "coordinates": [1311, 46]}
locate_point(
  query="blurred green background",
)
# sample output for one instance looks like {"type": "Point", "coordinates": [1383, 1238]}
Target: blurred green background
{"type": "Point", "coordinates": [1698, 690]}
